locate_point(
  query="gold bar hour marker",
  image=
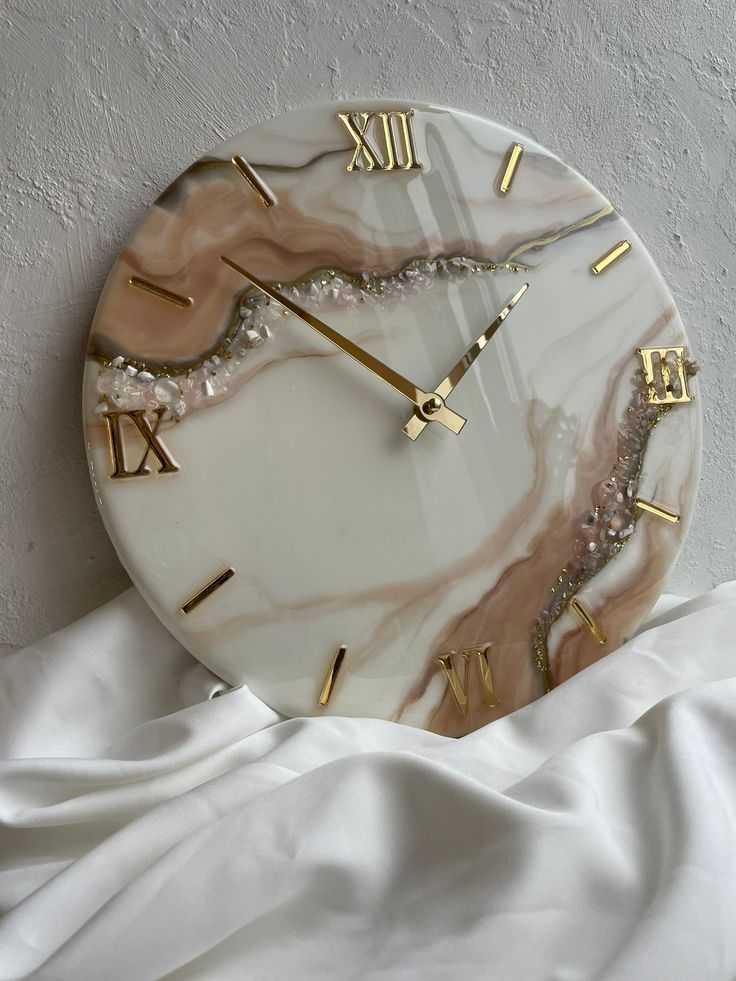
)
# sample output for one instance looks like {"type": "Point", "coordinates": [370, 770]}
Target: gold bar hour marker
{"type": "Point", "coordinates": [585, 617]}
{"type": "Point", "coordinates": [512, 162]}
{"type": "Point", "coordinates": [160, 292]}
{"type": "Point", "coordinates": [610, 257]}
{"type": "Point", "coordinates": [256, 182]}
{"type": "Point", "coordinates": [332, 674]}
{"type": "Point", "coordinates": [207, 590]}
{"type": "Point", "coordinates": [657, 509]}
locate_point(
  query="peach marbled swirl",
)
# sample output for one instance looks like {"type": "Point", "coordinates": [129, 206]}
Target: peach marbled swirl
{"type": "Point", "coordinates": [293, 467]}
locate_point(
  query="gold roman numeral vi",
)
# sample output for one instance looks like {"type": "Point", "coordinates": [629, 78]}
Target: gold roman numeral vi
{"type": "Point", "coordinates": [147, 431]}
{"type": "Point", "coordinates": [383, 140]}
{"type": "Point", "coordinates": [458, 687]}
{"type": "Point", "coordinates": [664, 371]}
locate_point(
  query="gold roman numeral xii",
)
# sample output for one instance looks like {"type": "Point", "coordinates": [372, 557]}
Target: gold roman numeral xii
{"type": "Point", "coordinates": [458, 687]}
{"type": "Point", "coordinates": [148, 433]}
{"type": "Point", "coordinates": [383, 140]}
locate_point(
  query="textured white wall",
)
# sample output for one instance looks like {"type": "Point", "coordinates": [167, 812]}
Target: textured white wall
{"type": "Point", "coordinates": [103, 103]}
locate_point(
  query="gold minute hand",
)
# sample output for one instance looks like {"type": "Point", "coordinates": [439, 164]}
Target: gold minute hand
{"type": "Point", "coordinates": [416, 425]}
{"type": "Point", "coordinates": [429, 406]}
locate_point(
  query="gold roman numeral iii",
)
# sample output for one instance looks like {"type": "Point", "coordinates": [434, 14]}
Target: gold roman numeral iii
{"type": "Point", "coordinates": [383, 140]}
{"type": "Point", "coordinates": [147, 432]}
{"type": "Point", "coordinates": [664, 371]}
{"type": "Point", "coordinates": [458, 687]}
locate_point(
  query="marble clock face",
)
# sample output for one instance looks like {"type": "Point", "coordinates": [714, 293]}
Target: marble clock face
{"type": "Point", "coordinates": [452, 469]}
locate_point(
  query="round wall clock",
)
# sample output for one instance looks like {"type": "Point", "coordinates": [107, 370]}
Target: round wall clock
{"type": "Point", "coordinates": [389, 413]}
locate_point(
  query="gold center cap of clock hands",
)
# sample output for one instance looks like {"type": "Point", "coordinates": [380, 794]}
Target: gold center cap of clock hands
{"type": "Point", "coordinates": [430, 405]}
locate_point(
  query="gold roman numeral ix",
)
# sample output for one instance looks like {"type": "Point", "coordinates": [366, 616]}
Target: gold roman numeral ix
{"type": "Point", "coordinates": [458, 687]}
{"type": "Point", "coordinates": [664, 371]}
{"type": "Point", "coordinates": [383, 140]}
{"type": "Point", "coordinates": [147, 431]}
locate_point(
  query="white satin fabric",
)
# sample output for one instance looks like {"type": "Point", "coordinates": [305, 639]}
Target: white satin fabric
{"type": "Point", "coordinates": [149, 830]}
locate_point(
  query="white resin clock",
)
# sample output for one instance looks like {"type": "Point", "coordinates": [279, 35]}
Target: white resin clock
{"type": "Point", "coordinates": [389, 413]}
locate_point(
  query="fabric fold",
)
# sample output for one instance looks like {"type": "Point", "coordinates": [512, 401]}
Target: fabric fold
{"type": "Point", "coordinates": [149, 829]}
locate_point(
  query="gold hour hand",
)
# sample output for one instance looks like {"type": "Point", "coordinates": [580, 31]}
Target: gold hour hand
{"type": "Point", "coordinates": [416, 425]}
{"type": "Point", "coordinates": [429, 406]}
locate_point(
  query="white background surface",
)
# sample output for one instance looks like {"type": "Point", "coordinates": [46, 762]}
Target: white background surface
{"type": "Point", "coordinates": [104, 103]}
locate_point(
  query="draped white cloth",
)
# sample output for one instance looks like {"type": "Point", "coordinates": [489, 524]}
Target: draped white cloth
{"type": "Point", "coordinates": [149, 830]}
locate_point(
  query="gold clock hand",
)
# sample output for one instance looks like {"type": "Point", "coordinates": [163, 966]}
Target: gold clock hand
{"type": "Point", "coordinates": [416, 425]}
{"type": "Point", "coordinates": [430, 407]}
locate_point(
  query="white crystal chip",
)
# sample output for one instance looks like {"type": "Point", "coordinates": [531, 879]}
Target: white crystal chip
{"type": "Point", "coordinates": [166, 390]}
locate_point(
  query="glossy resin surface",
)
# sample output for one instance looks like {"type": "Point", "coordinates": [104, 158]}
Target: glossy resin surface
{"type": "Point", "coordinates": [293, 469]}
